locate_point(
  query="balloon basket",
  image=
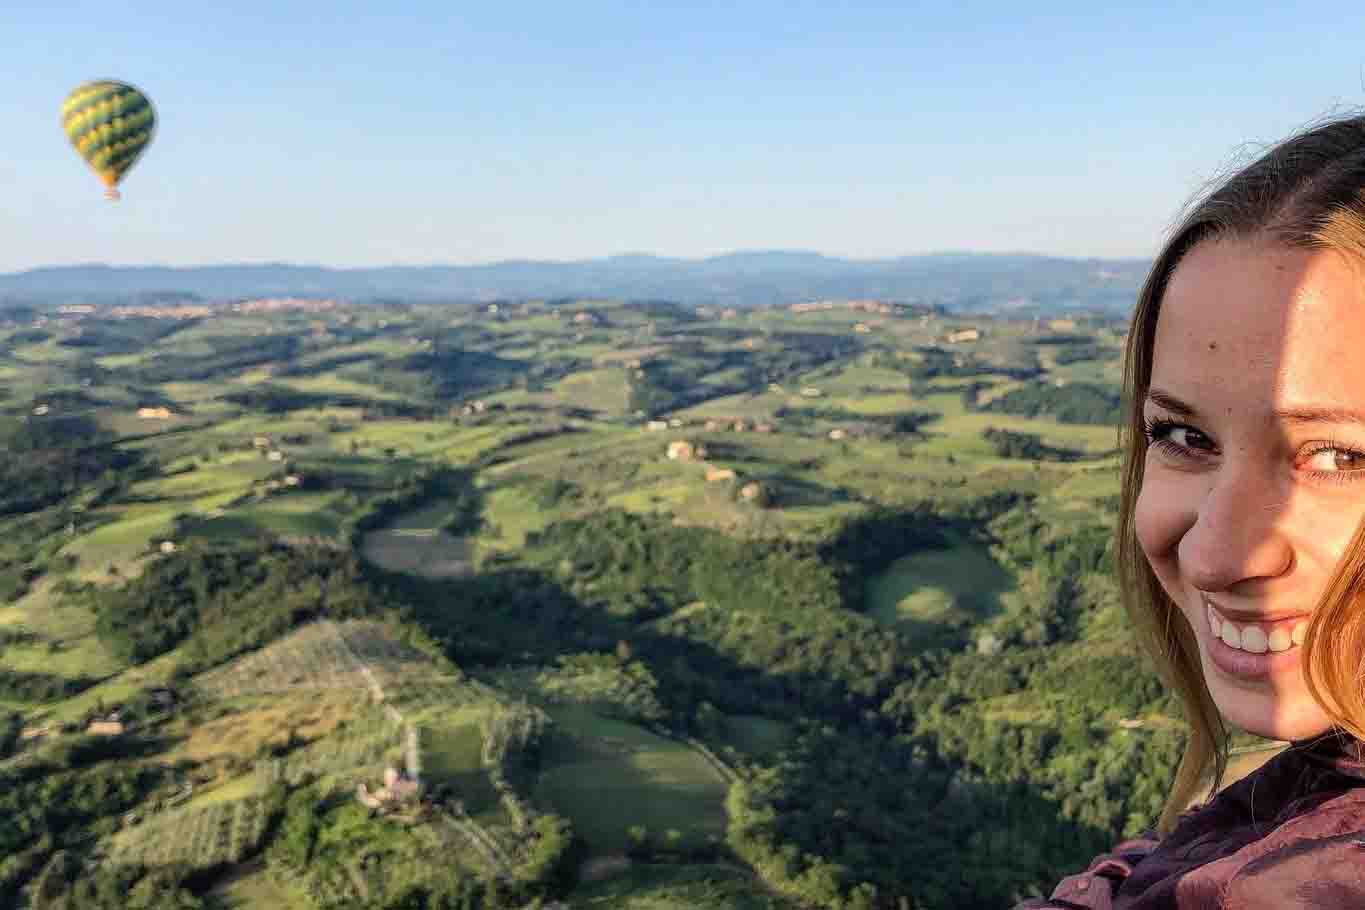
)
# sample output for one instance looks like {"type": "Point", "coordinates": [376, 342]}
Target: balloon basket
{"type": "Point", "coordinates": [112, 195]}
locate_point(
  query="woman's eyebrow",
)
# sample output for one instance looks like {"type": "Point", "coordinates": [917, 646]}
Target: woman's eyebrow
{"type": "Point", "coordinates": [1320, 415]}
{"type": "Point", "coordinates": [1170, 403]}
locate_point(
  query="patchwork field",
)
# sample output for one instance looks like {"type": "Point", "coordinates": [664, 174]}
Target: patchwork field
{"type": "Point", "coordinates": [324, 655]}
{"type": "Point", "coordinates": [290, 430]}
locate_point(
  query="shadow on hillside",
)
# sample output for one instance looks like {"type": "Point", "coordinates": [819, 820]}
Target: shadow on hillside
{"type": "Point", "coordinates": [858, 791]}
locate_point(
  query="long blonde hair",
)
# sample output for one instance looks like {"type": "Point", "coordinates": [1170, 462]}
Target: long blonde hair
{"type": "Point", "coordinates": [1307, 192]}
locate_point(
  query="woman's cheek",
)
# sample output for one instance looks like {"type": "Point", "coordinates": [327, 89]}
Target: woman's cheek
{"type": "Point", "coordinates": [1160, 520]}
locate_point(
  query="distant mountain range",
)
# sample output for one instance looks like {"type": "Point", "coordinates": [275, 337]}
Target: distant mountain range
{"type": "Point", "coordinates": [961, 281]}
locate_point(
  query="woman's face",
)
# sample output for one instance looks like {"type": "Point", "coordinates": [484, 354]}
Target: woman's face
{"type": "Point", "coordinates": [1255, 470]}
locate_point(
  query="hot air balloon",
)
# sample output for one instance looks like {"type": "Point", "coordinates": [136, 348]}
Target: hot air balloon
{"type": "Point", "coordinates": [110, 124]}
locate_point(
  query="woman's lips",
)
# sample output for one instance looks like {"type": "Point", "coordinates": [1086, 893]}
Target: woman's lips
{"type": "Point", "coordinates": [1253, 650]}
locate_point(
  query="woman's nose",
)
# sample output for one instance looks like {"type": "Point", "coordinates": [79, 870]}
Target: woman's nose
{"type": "Point", "coordinates": [1238, 534]}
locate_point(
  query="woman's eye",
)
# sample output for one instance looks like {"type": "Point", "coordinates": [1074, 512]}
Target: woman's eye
{"type": "Point", "coordinates": [1332, 459]}
{"type": "Point", "coordinates": [1180, 436]}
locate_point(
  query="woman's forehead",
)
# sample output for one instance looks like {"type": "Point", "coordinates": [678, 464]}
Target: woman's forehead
{"type": "Point", "coordinates": [1245, 318]}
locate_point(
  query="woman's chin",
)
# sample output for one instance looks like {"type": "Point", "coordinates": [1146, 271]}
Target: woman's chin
{"type": "Point", "coordinates": [1273, 715]}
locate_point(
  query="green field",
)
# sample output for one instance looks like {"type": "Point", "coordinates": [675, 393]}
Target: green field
{"type": "Point", "coordinates": [66, 645]}
{"type": "Point", "coordinates": [452, 744]}
{"type": "Point", "coordinates": [252, 887]}
{"type": "Point", "coordinates": [672, 887]}
{"type": "Point", "coordinates": [954, 585]}
{"type": "Point", "coordinates": [608, 776]}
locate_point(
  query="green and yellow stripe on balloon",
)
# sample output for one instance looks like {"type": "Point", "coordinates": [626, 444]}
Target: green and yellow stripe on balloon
{"type": "Point", "coordinates": [110, 125]}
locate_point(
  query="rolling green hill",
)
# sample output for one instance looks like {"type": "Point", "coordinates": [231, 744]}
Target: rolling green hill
{"type": "Point", "coordinates": [643, 605]}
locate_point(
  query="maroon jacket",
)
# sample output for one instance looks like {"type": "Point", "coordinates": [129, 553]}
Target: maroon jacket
{"type": "Point", "coordinates": [1289, 836]}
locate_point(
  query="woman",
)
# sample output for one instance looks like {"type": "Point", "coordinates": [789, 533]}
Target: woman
{"type": "Point", "coordinates": [1240, 540]}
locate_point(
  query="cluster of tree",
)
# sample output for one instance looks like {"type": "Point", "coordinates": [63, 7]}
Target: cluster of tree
{"type": "Point", "coordinates": [277, 399]}
{"type": "Point", "coordinates": [44, 460]}
{"type": "Point", "coordinates": [613, 684]}
{"type": "Point", "coordinates": [11, 725]}
{"type": "Point", "coordinates": [453, 486]}
{"type": "Point", "coordinates": [935, 362]}
{"type": "Point", "coordinates": [1028, 446]}
{"type": "Point", "coordinates": [1076, 402]}
{"type": "Point", "coordinates": [224, 599]}
{"type": "Point", "coordinates": [25, 336]}
{"type": "Point", "coordinates": [229, 354]}
{"type": "Point", "coordinates": [316, 366]}
{"type": "Point", "coordinates": [657, 391]}
{"type": "Point", "coordinates": [29, 545]}
{"type": "Point", "coordinates": [51, 801]}
{"type": "Point", "coordinates": [906, 423]}
{"type": "Point", "coordinates": [315, 848]}
{"type": "Point", "coordinates": [1078, 352]}
{"type": "Point", "coordinates": [105, 337]}
{"type": "Point", "coordinates": [35, 686]}
{"type": "Point", "coordinates": [64, 402]}
{"type": "Point", "coordinates": [1059, 339]}
{"type": "Point", "coordinates": [852, 819]}
{"type": "Point", "coordinates": [450, 371]}
{"type": "Point", "coordinates": [674, 384]}
{"type": "Point", "coordinates": [67, 883]}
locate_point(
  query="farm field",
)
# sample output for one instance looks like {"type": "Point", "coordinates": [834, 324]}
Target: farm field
{"type": "Point", "coordinates": [452, 749]}
{"type": "Point", "coordinates": [252, 887]}
{"type": "Point", "coordinates": [608, 776]}
{"type": "Point", "coordinates": [671, 887]}
{"type": "Point", "coordinates": [933, 587]}
{"type": "Point", "coordinates": [200, 838]}
{"type": "Point", "coordinates": [322, 655]}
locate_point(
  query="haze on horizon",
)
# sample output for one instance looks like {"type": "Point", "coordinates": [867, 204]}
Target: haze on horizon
{"type": "Point", "coordinates": [338, 135]}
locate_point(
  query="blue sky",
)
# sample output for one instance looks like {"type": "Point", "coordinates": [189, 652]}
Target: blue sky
{"type": "Point", "coordinates": [355, 134]}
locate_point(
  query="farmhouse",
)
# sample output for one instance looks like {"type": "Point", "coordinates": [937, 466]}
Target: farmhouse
{"type": "Point", "coordinates": [681, 450]}
{"type": "Point", "coordinates": [655, 425]}
{"type": "Point", "coordinates": [964, 335]}
{"type": "Point", "coordinates": [398, 789]}
{"type": "Point", "coordinates": [167, 547]}
{"type": "Point", "coordinates": [751, 491]}
{"type": "Point", "coordinates": [110, 726]}
{"type": "Point", "coordinates": [810, 392]}
{"type": "Point", "coordinates": [154, 413]}
{"type": "Point", "coordinates": [717, 474]}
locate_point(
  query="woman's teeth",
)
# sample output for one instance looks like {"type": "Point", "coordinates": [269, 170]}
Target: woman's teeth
{"type": "Point", "coordinates": [1254, 638]}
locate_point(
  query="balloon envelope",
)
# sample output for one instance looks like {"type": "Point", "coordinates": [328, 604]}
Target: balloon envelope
{"type": "Point", "coordinates": [110, 124]}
